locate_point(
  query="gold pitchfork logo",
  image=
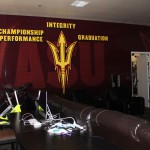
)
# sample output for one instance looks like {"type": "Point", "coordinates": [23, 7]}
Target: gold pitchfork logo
{"type": "Point", "coordinates": [62, 58]}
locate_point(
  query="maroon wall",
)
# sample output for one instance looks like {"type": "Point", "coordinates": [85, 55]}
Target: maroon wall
{"type": "Point", "coordinates": [93, 62]}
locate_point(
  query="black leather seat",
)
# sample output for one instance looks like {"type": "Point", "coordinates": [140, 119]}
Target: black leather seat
{"type": "Point", "coordinates": [120, 99]}
{"type": "Point", "coordinates": [136, 106]}
{"type": "Point", "coordinates": [83, 96]}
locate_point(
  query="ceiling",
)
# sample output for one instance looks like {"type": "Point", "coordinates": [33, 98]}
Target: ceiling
{"type": "Point", "coordinates": [119, 11]}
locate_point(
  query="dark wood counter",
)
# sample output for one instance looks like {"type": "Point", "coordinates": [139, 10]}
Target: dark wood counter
{"type": "Point", "coordinates": [31, 138]}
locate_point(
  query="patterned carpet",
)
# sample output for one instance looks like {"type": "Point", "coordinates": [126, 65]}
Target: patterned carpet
{"type": "Point", "coordinates": [8, 147]}
{"type": "Point", "coordinates": [5, 147]}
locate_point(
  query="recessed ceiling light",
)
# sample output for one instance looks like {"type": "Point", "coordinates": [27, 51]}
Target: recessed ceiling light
{"type": "Point", "coordinates": [79, 3]}
{"type": "Point", "coordinates": [40, 5]}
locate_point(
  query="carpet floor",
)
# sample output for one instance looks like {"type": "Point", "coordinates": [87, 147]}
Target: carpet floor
{"type": "Point", "coordinates": [5, 147]}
